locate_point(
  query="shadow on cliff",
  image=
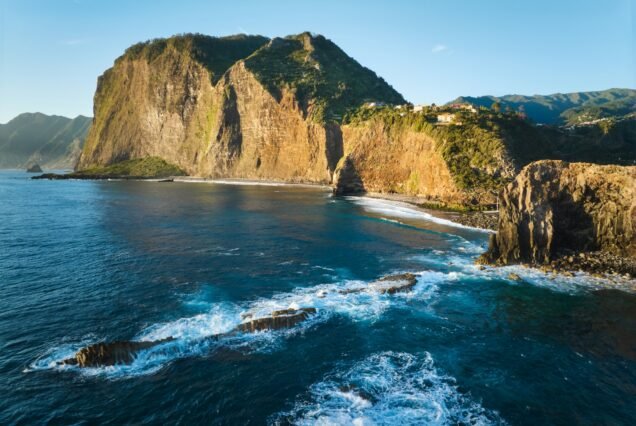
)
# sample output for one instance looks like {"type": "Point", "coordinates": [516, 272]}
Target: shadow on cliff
{"type": "Point", "coordinates": [574, 228]}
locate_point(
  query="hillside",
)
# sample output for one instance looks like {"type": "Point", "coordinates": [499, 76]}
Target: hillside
{"type": "Point", "coordinates": [51, 141]}
{"type": "Point", "coordinates": [563, 108]}
{"type": "Point", "coordinates": [239, 106]}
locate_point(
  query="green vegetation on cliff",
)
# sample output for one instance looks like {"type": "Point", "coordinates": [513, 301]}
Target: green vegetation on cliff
{"type": "Point", "coordinates": [151, 167]}
{"type": "Point", "coordinates": [482, 150]}
{"type": "Point", "coordinates": [326, 81]}
{"type": "Point", "coordinates": [216, 54]}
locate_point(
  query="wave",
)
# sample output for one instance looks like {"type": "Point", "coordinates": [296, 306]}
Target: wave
{"type": "Point", "coordinates": [462, 261]}
{"type": "Point", "coordinates": [404, 210]}
{"type": "Point", "coordinates": [394, 388]}
{"type": "Point", "coordinates": [201, 334]}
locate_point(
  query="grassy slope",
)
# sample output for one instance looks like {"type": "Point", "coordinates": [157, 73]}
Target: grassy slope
{"type": "Point", "coordinates": [326, 81]}
{"type": "Point", "coordinates": [217, 54]}
{"type": "Point", "coordinates": [151, 167]}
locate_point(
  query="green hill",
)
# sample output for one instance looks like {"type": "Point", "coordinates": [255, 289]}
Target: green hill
{"type": "Point", "coordinates": [563, 108]}
{"type": "Point", "coordinates": [50, 140]}
{"type": "Point", "coordinates": [326, 81]}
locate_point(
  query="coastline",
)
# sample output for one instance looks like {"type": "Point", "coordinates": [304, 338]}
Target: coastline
{"type": "Point", "coordinates": [248, 182]}
{"type": "Point", "coordinates": [478, 220]}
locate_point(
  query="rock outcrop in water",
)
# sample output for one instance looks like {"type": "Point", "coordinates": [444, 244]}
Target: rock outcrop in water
{"type": "Point", "coordinates": [34, 168]}
{"type": "Point", "coordinates": [125, 352]}
{"type": "Point", "coordinates": [554, 207]}
{"type": "Point", "coordinates": [111, 353]}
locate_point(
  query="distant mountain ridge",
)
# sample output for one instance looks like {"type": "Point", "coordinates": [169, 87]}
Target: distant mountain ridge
{"type": "Point", "coordinates": [564, 108]}
{"type": "Point", "coordinates": [52, 141]}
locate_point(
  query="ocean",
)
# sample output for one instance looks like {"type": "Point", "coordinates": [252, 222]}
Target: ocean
{"type": "Point", "coordinates": [89, 261]}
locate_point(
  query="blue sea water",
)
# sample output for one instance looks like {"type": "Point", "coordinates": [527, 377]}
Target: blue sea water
{"type": "Point", "coordinates": [83, 262]}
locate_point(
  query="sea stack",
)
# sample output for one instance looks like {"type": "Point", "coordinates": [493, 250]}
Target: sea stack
{"type": "Point", "coordinates": [34, 168]}
{"type": "Point", "coordinates": [555, 208]}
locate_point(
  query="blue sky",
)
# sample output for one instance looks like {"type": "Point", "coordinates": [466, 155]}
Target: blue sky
{"type": "Point", "coordinates": [51, 52]}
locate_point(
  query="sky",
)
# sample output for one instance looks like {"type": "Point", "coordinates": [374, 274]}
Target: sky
{"type": "Point", "coordinates": [52, 51]}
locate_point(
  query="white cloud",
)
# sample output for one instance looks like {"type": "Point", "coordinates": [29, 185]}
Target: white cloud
{"type": "Point", "coordinates": [438, 48]}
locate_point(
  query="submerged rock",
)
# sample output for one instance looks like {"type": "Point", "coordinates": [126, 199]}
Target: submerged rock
{"type": "Point", "coordinates": [105, 354]}
{"type": "Point", "coordinates": [392, 284]}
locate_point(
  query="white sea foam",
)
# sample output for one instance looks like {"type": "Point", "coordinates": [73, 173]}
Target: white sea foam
{"type": "Point", "coordinates": [200, 334]}
{"type": "Point", "coordinates": [463, 262]}
{"type": "Point", "coordinates": [387, 388]}
{"type": "Point", "coordinates": [399, 209]}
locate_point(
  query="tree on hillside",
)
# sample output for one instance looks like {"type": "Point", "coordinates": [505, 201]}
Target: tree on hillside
{"type": "Point", "coordinates": [496, 107]}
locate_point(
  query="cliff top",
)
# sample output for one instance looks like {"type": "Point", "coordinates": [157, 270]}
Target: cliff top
{"type": "Point", "coordinates": [217, 54]}
{"type": "Point", "coordinates": [325, 80]}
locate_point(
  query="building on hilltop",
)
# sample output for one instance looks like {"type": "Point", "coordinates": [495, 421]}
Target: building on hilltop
{"type": "Point", "coordinates": [446, 118]}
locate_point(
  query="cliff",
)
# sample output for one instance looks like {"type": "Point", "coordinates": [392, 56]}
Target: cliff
{"type": "Point", "coordinates": [461, 165]}
{"type": "Point", "coordinates": [241, 106]}
{"type": "Point", "coordinates": [554, 207]}
{"type": "Point", "coordinates": [299, 109]}
{"type": "Point", "coordinates": [53, 142]}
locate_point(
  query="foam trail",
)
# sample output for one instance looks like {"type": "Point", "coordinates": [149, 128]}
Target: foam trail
{"type": "Point", "coordinates": [200, 334]}
{"type": "Point", "coordinates": [404, 210]}
{"type": "Point", "coordinates": [387, 388]}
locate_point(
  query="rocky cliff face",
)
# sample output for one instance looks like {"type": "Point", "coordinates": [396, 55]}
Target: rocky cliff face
{"type": "Point", "coordinates": [554, 206]}
{"type": "Point", "coordinates": [382, 159]}
{"type": "Point", "coordinates": [244, 107]}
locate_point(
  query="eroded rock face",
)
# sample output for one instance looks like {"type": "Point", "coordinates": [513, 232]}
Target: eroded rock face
{"type": "Point", "coordinates": [554, 206]}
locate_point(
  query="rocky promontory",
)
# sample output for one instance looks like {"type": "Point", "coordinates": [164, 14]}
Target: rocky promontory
{"type": "Point", "coordinates": [568, 216]}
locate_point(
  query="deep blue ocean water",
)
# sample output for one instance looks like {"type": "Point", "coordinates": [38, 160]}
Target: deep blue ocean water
{"type": "Point", "coordinates": [83, 262]}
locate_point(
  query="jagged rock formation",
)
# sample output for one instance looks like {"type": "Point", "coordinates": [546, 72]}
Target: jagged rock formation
{"type": "Point", "coordinates": [52, 141]}
{"type": "Point", "coordinates": [111, 353]}
{"type": "Point", "coordinates": [241, 106]}
{"type": "Point", "coordinates": [553, 207]}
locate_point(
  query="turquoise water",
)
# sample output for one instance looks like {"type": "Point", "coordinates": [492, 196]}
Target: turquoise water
{"type": "Point", "coordinates": [82, 262]}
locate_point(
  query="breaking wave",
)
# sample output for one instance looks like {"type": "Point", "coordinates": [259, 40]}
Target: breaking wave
{"type": "Point", "coordinates": [387, 388]}
{"type": "Point", "coordinates": [404, 210]}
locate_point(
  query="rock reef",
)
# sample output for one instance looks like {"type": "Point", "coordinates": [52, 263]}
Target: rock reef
{"type": "Point", "coordinates": [106, 354]}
